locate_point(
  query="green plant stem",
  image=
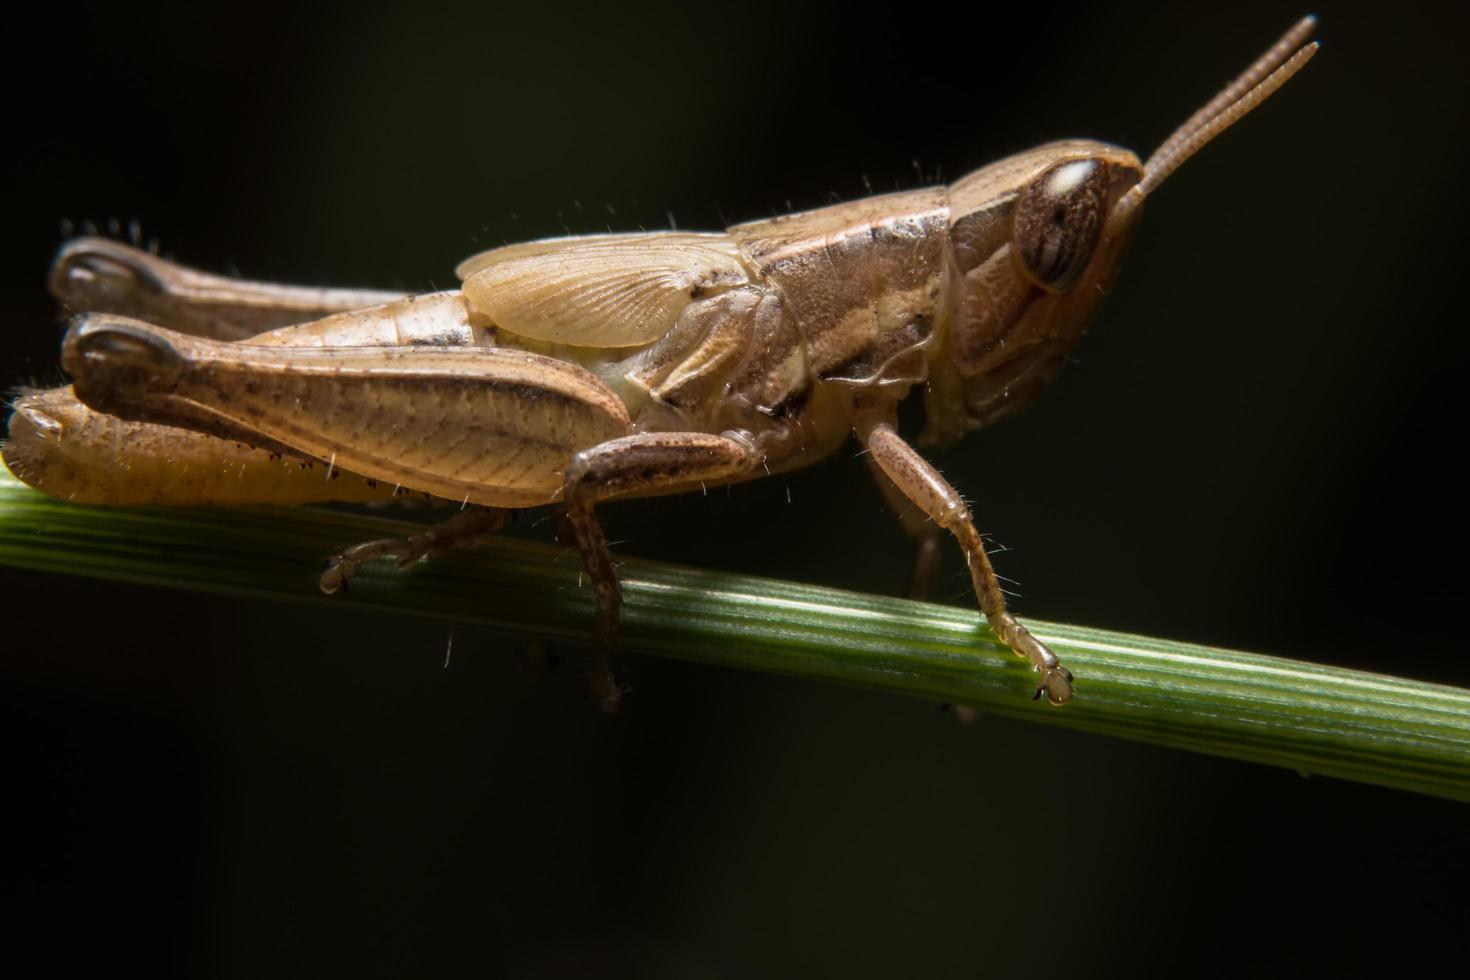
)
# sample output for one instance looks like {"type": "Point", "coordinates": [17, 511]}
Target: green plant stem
{"type": "Point", "coordinates": [1314, 719]}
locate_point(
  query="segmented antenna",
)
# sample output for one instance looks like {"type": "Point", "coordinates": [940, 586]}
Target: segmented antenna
{"type": "Point", "coordinates": [1284, 59]}
{"type": "Point", "coordinates": [1290, 42]}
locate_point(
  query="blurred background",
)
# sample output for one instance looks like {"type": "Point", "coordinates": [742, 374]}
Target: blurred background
{"type": "Point", "coordinates": [1255, 449]}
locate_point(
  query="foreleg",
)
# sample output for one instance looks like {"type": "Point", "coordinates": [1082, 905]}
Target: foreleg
{"type": "Point", "coordinates": [919, 526]}
{"type": "Point", "coordinates": [921, 483]}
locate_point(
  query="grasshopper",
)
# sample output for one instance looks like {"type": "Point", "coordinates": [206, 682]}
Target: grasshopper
{"type": "Point", "coordinates": [573, 371]}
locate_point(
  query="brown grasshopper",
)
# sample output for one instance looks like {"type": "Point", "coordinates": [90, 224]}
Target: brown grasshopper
{"type": "Point", "coordinates": [576, 370]}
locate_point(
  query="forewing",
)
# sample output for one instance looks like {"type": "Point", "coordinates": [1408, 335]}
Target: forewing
{"type": "Point", "coordinates": [601, 290]}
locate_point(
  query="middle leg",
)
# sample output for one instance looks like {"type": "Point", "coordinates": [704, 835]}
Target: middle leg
{"type": "Point", "coordinates": [631, 466]}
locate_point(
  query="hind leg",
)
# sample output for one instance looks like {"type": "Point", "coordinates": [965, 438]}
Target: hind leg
{"type": "Point", "coordinates": [462, 529]}
{"type": "Point", "coordinates": [104, 276]}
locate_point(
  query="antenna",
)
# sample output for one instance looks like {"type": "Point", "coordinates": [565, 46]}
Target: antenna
{"type": "Point", "coordinates": [1271, 71]}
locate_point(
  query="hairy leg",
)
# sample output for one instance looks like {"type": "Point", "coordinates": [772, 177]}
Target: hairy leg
{"type": "Point", "coordinates": [921, 483]}
{"type": "Point", "coordinates": [631, 466]}
{"type": "Point", "coordinates": [919, 526]}
{"type": "Point", "coordinates": [462, 529]}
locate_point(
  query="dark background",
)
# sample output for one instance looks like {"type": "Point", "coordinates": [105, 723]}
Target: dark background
{"type": "Point", "coordinates": [1257, 447]}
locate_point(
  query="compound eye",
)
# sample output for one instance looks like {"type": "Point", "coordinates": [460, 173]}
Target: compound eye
{"type": "Point", "coordinates": [1058, 221]}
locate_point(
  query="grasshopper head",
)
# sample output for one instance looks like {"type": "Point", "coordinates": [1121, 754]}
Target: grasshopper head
{"type": "Point", "coordinates": [1037, 240]}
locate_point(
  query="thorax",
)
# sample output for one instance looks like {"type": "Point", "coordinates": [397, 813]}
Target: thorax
{"type": "Point", "coordinates": [841, 303]}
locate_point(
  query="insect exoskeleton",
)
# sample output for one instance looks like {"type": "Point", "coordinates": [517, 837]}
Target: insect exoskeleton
{"type": "Point", "coordinates": [576, 370]}
{"type": "Point", "coordinates": [1036, 241]}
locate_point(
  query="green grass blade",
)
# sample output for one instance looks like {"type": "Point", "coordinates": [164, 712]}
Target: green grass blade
{"type": "Point", "coordinates": [1314, 719]}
